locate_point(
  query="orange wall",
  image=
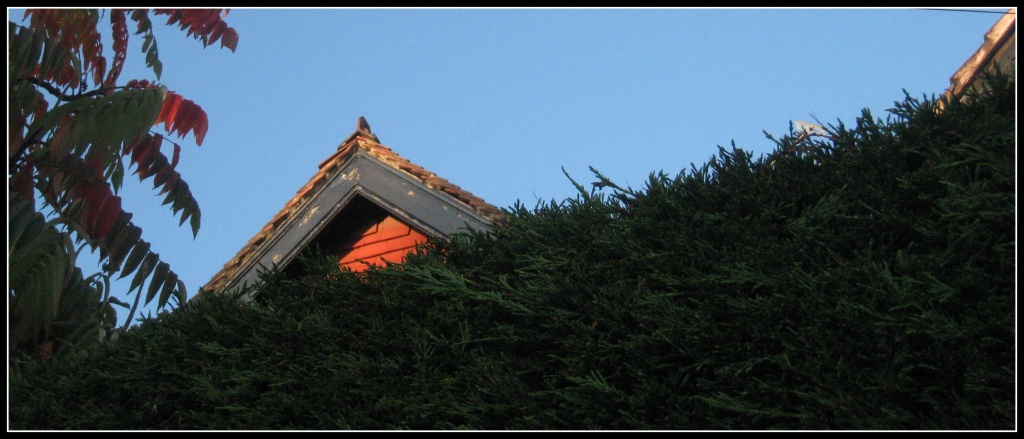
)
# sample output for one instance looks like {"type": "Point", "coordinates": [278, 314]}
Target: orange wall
{"type": "Point", "coordinates": [387, 240]}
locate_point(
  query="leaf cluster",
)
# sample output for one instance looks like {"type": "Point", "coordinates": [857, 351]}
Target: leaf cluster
{"type": "Point", "coordinates": [73, 133]}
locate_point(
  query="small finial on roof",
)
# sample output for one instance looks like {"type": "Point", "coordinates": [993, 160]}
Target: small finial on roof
{"type": "Point", "coordinates": [363, 126]}
{"type": "Point", "coordinates": [362, 131]}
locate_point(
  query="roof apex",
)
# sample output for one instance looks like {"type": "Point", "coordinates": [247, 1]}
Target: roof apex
{"type": "Point", "coordinates": [361, 143]}
{"type": "Point", "coordinates": [362, 130]}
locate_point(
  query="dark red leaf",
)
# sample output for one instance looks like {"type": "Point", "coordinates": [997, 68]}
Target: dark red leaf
{"type": "Point", "coordinates": [95, 161]}
{"type": "Point", "coordinates": [171, 183]}
{"type": "Point", "coordinates": [229, 39]}
{"type": "Point", "coordinates": [108, 214]}
{"type": "Point", "coordinates": [141, 149]}
{"type": "Point", "coordinates": [22, 181]}
{"type": "Point", "coordinates": [177, 154]}
{"type": "Point", "coordinates": [218, 29]}
{"type": "Point", "coordinates": [161, 169]}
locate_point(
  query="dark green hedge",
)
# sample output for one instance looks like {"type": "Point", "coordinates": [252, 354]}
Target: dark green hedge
{"type": "Point", "coordinates": [865, 281]}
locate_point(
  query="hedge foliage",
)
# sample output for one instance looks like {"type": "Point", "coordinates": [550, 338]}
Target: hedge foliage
{"type": "Point", "coordinates": [861, 281]}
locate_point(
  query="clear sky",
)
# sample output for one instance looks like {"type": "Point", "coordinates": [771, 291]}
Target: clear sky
{"type": "Point", "coordinates": [498, 101]}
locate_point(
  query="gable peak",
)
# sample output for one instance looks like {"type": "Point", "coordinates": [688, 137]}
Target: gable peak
{"type": "Point", "coordinates": [363, 126]}
{"type": "Point", "coordinates": [362, 130]}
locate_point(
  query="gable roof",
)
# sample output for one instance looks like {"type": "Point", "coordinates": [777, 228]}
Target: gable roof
{"type": "Point", "coordinates": [998, 49]}
{"type": "Point", "coordinates": [363, 167]}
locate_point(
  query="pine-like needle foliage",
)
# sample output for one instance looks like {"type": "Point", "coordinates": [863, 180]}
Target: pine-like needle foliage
{"type": "Point", "coordinates": [860, 281]}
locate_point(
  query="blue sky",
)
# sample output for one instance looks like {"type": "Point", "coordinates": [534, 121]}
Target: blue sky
{"type": "Point", "coordinates": [498, 101]}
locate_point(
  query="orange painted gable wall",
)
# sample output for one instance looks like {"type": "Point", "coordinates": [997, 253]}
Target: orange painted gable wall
{"type": "Point", "coordinates": [387, 240]}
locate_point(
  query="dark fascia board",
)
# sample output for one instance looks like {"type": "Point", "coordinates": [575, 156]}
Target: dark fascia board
{"type": "Point", "coordinates": [403, 196]}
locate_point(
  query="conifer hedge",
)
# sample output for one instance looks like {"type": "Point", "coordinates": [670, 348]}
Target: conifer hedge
{"type": "Point", "coordinates": [861, 281]}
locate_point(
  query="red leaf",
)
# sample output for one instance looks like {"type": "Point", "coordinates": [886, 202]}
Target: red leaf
{"type": "Point", "coordinates": [58, 144]}
{"type": "Point", "coordinates": [22, 181]}
{"type": "Point", "coordinates": [141, 84]}
{"type": "Point", "coordinates": [129, 147]}
{"type": "Point", "coordinates": [142, 152]}
{"type": "Point", "coordinates": [201, 125]}
{"type": "Point", "coordinates": [189, 15]}
{"type": "Point", "coordinates": [133, 147]}
{"type": "Point", "coordinates": [94, 197]}
{"type": "Point", "coordinates": [156, 143]}
{"type": "Point", "coordinates": [162, 170]}
{"type": "Point", "coordinates": [95, 161]}
{"type": "Point", "coordinates": [218, 29]}
{"type": "Point", "coordinates": [205, 24]}
{"type": "Point", "coordinates": [99, 66]}
{"type": "Point", "coordinates": [40, 106]}
{"type": "Point", "coordinates": [15, 134]}
{"type": "Point", "coordinates": [171, 182]}
{"type": "Point", "coordinates": [120, 35]}
{"type": "Point", "coordinates": [170, 110]}
{"type": "Point", "coordinates": [174, 15]}
{"type": "Point", "coordinates": [137, 150]}
{"type": "Point", "coordinates": [177, 153]}
{"type": "Point", "coordinates": [145, 166]}
{"type": "Point", "coordinates": [203, 20]}
{"type": "Point", "coordinates": [186, 118]}
{"type": "Point", "coordinates": [139, 14]}
{"type": "Point", "coordinates": [108, 214]}
{"type": "Point", "coordinates": [181, 115]}
{"type": "Point", "coordinates": [229, 39]}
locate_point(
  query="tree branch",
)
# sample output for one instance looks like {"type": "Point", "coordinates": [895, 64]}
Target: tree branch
{"type": "Point", "coordinates": [54, 91]}
{"type": "Point", "coordinates": [15, 160]}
